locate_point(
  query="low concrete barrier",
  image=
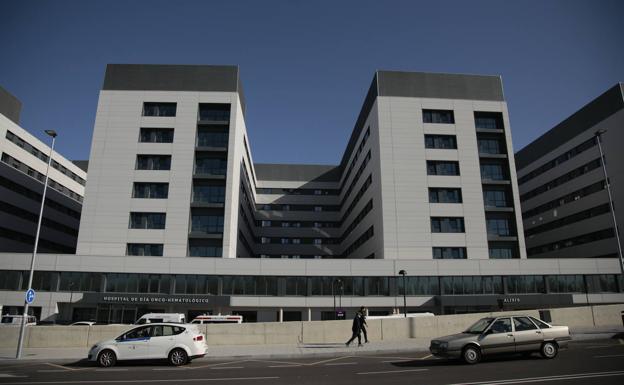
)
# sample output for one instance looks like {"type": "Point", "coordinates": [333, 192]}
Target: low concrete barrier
{"type": "Point", "coordinates": [311, 332]}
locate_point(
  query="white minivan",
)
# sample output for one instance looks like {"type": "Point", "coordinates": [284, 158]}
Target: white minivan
{"type": "Point", "coordinates": [178, 343]}
{"type": "Point", "coordinates": [151, 318]}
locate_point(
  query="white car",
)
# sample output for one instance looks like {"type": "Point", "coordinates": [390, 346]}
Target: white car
{"type": "Point", "coordinates": [83, 323]}
{"type": "Point", "coordinates": [178, 343]}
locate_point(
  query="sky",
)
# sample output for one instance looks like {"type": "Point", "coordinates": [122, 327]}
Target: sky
{"type": "Point", "coordinates": [306, 65]}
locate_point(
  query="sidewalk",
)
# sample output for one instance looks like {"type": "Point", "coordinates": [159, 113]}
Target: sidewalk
{"type": "Point", "coordinates": [221, 352]}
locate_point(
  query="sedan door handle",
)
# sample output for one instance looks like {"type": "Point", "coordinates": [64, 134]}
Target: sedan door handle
{"type": "Point", "coordinates": [538, 331]}
{"type": "Point", "coordinates": [509, 335]}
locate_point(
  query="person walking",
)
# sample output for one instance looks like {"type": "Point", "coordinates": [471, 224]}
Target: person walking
{"type": "Point", "coordinates": [356, 328]}
{"type": "Point", "coordinates": [364, 324]}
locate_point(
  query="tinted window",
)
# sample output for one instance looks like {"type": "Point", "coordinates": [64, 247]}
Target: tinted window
{"type": "Point", "coordinates": [523, 323]}
{"type": "Point", "coordinates": [142, 332]}
{"type": "Point", "coordinates": [540, 323]}
{"type": "Point", "coordinates": [162, 330]}
{"type": "Point", "coordinates": [159, 109]}
{"type": "Point", "coordinates": [502, 325]}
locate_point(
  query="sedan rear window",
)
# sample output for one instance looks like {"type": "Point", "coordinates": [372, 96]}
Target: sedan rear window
{"type": "Point", "coordinates": [540, 323]}
{"type": "Point", "coordinates": [523, 323]}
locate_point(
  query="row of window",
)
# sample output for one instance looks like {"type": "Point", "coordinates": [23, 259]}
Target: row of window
{"type": "Point", "coordinates": [483, 119]}
{"type": "Point", "coordinates": [34, 151]}
{"type": "Point", "coordinates": [16, 280]}
{"type": "Point", "coordinates": [32, 217]}
{"type": "Point", "coordinates": [45, 245]}
{"type": "Point", "coordinates": [298, 224]}
{"type": "Point", "coordinates": [35, 196]}
{"type": "Point", "coordinates": [6, 158]}
{"type": "Point", "coordinates": [449, 142]}
{"type": "Point", "coordinates": [289, 207]}
{"type": "Point", "coordinates": [297, 191]}
{"type": "Point", "coordinates": [580, 216]}
{"type": "Point", "coordinates": [357, 155]}
{"type": "Point", "coordinates": [567, 198]}
{"type": "Point", "coordinates": [558, 160]}
{"type": "Point", "coordinates": [368, 234]}
{"type": "Point", "coordinates": [489, 170]}
{"type": "Point", "coordinates": [577, 172]}
{"type": "Point", "coordinates": [571, 242]}
{"type": "Point", "coordinates": [202, 193]}
{"type": "Point", "coordinates": [156, 250]}
{"type": "Point", "coordinates": [298, 241]}
{"type": "Point", "coordinates": [207, 112]}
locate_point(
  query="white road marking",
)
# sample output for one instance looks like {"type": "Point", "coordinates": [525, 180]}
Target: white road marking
{"type": "Point", "coordinates": [7, 375]}
{"type": "Point", "coordinates": [395, 371]}
{"type": "Point", "coordinates": [544, 379]}
{"type": "Point", "coordinates": [60, 366]}
{"type": "Point", "coordinates": [610, 355]}
{"type": "Point", "coordinates": [340, 363]}
{"type": "Point", "coordinates": [51, 370]}
{"type": "Point", "coordinates": [226, 367]}
{"type": "Point", "coordinates": [169, 368]}
{"type": "Point", "coordinates": [328, 360]}
{"type": "Point", "coordinates": [219, 364]}
{"type": "Point", "coordinates": [285, 366]}
{"type": "Point", "coordinates": [178, 380]}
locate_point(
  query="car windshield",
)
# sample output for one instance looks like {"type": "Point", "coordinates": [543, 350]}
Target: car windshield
{"type": "Point", "coordinates": [479, 326]}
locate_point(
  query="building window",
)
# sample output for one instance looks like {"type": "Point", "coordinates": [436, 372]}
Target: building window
{"type": "Point", "coordinates": [449, 253]}
{"type": "Point", "coordinates": [525, 284]}
{"type": "Point", "coordinates": [266, 224]}
{"type": "Point", "coordinates": [159, 109]}
{"type": "Point", "coordinates": [156, 135]}
{"type": "Point", "coordinates": [150, 190]}
{"type": "Point", "coordinates": [441, 141]}
{"type": "Point", "coordinates": [438, 116]}
{"type": "Point", "coordinates": [495, 198]}
{"type": "Point", "coordinates": [208, 194]}
{"type": "Point", "coordinates": [502, 250]}
{"type": "Point", "coordinates": [493, 171]}
{"type": "Point", "coordinates": [602, 283]}
{"type": "Point", "coordinates": [206, 138]}
{"type": "Point", "coordinates": [210, 166]}
{"type": "Point", "coordinates": [445, 195]}
{"type": "Point", "coordinates": [488, 120]}
{"type": "Point", "coordinates": [318, 241]}
{"type": "Point", "coordinates": [205, 251]}
{"type": "Point", "coordinates": [145, 249]}
{"type": "Point", "coordinates": [490, 146]}
{"type": "Point", "coordinates": [209, 224]}
{"type": "Point", "coordinates": [500, 227]}
{"type": "Point", "coordinates": [566, 284]}
{"type": "Point", "coordinates": [215, 112]}
{"type": "Point", "coordinates": [441, 167]}
{"type": "Point", "coordinates": [447, 225]}
{"type": "Point", "coordinates": [318, 209]}
{"type": "Point", "coordinates": [153, 162]}
{"type": "Point", "coordinates": [147, 220]}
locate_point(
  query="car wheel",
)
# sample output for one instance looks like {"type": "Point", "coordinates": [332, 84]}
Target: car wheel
{"type": "Point", "coordinates": [471, 355]}
{"type": "Point", "coordinates": [549, 350]}
{"type": "Point", "coordinates": [178, 357]}
{"type": "Point", "coordinates": [106, 358]}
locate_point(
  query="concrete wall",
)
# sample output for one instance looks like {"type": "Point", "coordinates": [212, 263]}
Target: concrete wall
{"type": "Point", "coordinates": [310, 332]}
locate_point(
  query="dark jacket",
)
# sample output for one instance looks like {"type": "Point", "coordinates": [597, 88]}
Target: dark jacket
{"type": "Point", "coordinates": [357, 323]}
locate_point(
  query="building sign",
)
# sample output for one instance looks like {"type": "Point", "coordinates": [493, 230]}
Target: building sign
{"type": "Point", "coordinates": [511, 300]}
{"type": "Point", "coordinates": [156, 299]}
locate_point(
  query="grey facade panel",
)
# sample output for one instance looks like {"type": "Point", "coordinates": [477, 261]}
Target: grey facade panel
{"type": "Point", "coordinates": [440, 85]}
{"type": "Point", "coordinates": [162, 77]}
{"type": "Point", "coordinates": [591, 114]}
{"type": "Point", "coordinates": [297, 172]}
{"type": "Point", "coordinates": [10, 106]}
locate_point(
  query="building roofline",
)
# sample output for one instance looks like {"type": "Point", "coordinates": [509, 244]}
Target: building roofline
{"type": "Point", "coordinates": [597, 110]}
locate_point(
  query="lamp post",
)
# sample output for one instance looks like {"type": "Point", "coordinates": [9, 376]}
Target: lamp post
{"type": "Point", "coordinates": [20, 340]}
{"type": "Point", "coordinates": [598, 135]}
{"type": "Point", "coordinates": [403, 273]}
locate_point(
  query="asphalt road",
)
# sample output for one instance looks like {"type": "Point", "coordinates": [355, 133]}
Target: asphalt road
{"type": "Point", "coordinates": [599, 362]}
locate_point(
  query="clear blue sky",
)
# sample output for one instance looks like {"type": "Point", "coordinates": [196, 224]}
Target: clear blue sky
{"type": "Point", "coordinates": [306, 65]}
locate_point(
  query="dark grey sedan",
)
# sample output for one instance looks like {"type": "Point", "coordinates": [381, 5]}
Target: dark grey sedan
{"type": "Point", "coordinates": [505, 334]}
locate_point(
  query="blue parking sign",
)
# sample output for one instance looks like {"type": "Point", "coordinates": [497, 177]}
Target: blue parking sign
{"type": "Point", "coordinates": [30, 296]}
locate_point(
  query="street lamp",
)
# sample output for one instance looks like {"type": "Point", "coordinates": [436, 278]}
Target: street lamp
{"type": "Point", "coordinates": [606, 176]}
{"type": "Point", "coordinates": [20, 341]}
{"type": "Point", "coordinates": [334, 294]}
{"type": "Point", "coordinates": [403, 273]}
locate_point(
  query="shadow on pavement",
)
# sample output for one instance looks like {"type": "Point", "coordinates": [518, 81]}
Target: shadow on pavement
{"type": "Point", "coordinates": [450, 362]}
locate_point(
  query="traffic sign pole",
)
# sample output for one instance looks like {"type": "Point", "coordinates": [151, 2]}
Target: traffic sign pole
{"type": "Point", "coordinates": [20, 340]}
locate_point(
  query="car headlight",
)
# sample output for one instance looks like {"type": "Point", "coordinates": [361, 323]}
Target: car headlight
{"type": "Point", "coordinates": [443, 345]}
